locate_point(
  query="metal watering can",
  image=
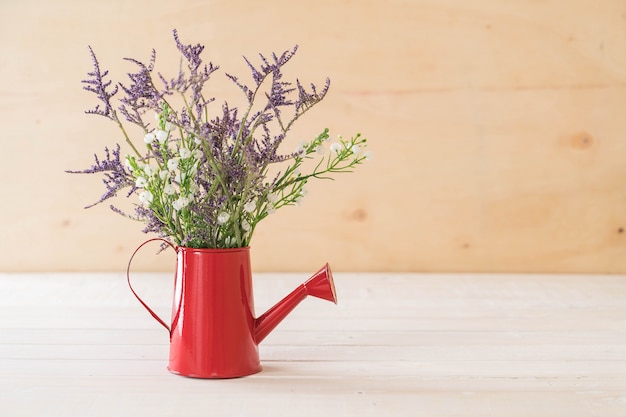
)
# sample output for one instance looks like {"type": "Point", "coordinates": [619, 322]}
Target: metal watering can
{"type": "Point", "coordinates": [213, 330]}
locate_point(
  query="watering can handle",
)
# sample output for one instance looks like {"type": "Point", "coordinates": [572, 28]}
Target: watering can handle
{"type": "Point", "coordinates": [152, 313]}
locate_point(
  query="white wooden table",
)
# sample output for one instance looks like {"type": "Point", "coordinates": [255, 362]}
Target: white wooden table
{"type": "Point", "coordinates": [395, 345]}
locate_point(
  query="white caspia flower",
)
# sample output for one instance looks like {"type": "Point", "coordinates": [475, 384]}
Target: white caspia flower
{"type": "Point", "coordinates": [149, 137]}
{"type": "Point", "coordinates": [145, 196]}
{"type": "Point", "coordinates": [147, 169]}
{"type": "Point", "coordinates": [169, 189]}
{"type": "Point", "coordinates": [161, 135]}
{"type": "Point", "coordinates": [169, 126]}
{"type": "Point", "coordinates": [272, 197]}
{"type": "Point", "coordinates": [368, 155]}
{"type": "Point", "coordinates": [356, 149]}
{"type": "Point", "coordinates": [127, 163]}
{"type": "Point", "coordinates": [180, 177]}
{"type": "Point", "coordinates": [249, 207]}
{"type": "Point", "coordinates": [335, 147]}
{"type": "Point", "coordinates": [141, 182]}
{"type": "Point", "coordinates": [223, 217]}
{"type": "Point", "coordinates": [180, 203]}
{"type": "Point", "coordinates": [172, 164]}
{"type": "Point", "coordinates": [184, 153]}
{"type": "Point", "coordinates": [301, 147]}
{"type": "Point", "coordinates": [320, 150]}
{"type": "Point", "coordinates": [270, 208]}
{"type": "Point", "coordinates": [197, 153]}
{"type": "Point", "coordinates": [163, 174]}
{"type": "Point", "coordinates": [245, 225]}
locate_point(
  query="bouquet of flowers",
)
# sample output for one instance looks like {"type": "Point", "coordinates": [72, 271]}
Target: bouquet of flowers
{"type": "Point", "coordinates": [206, 181]}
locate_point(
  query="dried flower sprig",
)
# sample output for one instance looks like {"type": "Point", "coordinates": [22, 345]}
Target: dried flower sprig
{"type": "Point", "coordinates": [205, 181]}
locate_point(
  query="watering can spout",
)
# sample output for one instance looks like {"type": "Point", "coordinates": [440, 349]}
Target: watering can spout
{"type": "Point", "coordinates": [320, 285]}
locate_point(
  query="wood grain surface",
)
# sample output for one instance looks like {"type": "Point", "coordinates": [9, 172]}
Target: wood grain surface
{"type": "Point", "coordinates": [498, 130]}
{"type": "Point", "coordinates": [80, 345]}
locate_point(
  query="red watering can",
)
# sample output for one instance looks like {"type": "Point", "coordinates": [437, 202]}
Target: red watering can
{"type": "Point", "coordinates": [213, 330]}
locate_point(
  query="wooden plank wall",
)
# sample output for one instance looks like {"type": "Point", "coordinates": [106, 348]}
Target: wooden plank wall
{"type": "Point", "coordinates": [498, 130]}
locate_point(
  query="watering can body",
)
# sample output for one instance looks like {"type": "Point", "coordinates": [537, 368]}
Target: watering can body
{"type": "Point", "coordinates": [213, 330]}
{"type": "Point", "coordinates": [213, 323]}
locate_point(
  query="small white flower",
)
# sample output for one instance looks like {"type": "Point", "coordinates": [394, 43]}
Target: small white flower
{"type": "Point", "coordinates": [223, 217]}
{"type": "Point", "coordinates": [320, 150]}
{"type": "Point", "coordinates": [245, 225]}
{"type": "Point", "coordinates": [198, 153]}
{"type": "Point", "coordinates": [298, 201]}
{"type": "Point", "coordinates": [335, 147]}
{"type": "Point", "coordinates": [184, 153]}
{"type": "Point", "coordinates": [169, 126]}
{"type": "Point", "coordinates": [356, 149]}
{"type": "Point", "coordinates": [141, 182]}
{"type": "Point", "coordinates": [368, 156]}
{"type": "Point", "coordinates": [145, 196]}
{"type": "Point", "coordinates": [163, 174]}
{"type": "Point", "coordinates": [197, 141]}
{"type": "Point", "coordinates": [172, 164]}
{"type": "Point", "coordinates": [270, 208]}
{"type": "Point", "coordinates": [128, 164]}
{"type": "Point", "coordinates": [169, 189]}
{"type": "Point", "coordinates": [249, 207]}
{"type": "Point", "coordinates": [180, 203]}
{"type": "Point", "coordinates": [272, 197]}
{"type": "Point", "coordinates": [147, 169]}
{"type": "Point", "coordinates": [301, 147]}
{"type": "Point", "coordinates": [161, 135]}
{"type": "Point", "coordinates": [180, 177]}
{"type": "Point", "coordinates": [149, 137]}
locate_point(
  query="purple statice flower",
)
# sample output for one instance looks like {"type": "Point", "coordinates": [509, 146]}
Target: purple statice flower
{"type": "Point", "coordinates": [306, 99]}
{"type": "Point", "coordinates": [97, 85]}
{"type": "Point", "coordinates": [116, 177]}
{"type": "Point", "coordinates": [198, 75]}
{"type": "Point", "coordinates": [141, 95]}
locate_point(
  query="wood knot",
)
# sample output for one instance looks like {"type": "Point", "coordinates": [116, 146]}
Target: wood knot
{"type": "Point", "coordinates": [581, 141]}
{"type": "Point", "coordinates": [359, 215]}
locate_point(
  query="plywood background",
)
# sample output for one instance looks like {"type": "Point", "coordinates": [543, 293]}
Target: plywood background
{"type": "Point", "coordinates": [498, 128]}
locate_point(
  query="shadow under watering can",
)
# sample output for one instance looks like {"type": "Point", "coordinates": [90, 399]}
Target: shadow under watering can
{"type": "Point", "coordinates": [214, 332]}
